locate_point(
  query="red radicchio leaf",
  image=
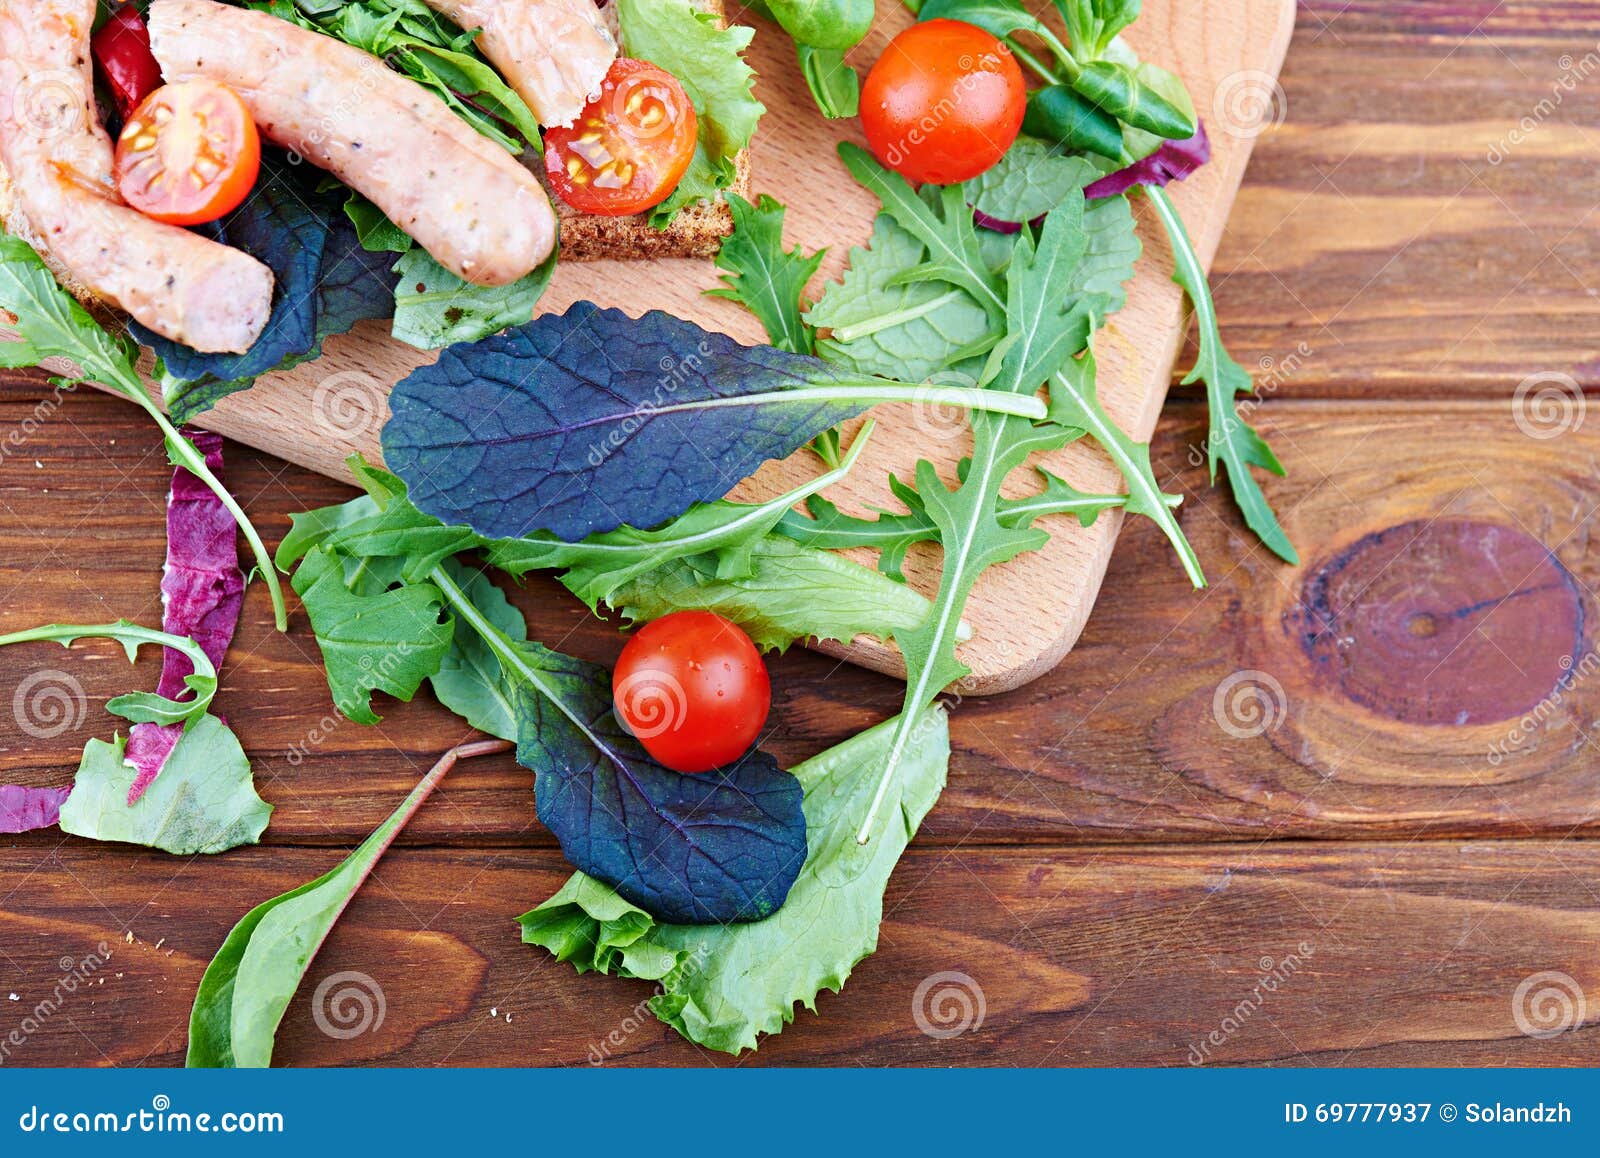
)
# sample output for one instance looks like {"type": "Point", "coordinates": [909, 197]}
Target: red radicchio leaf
{"type": "Point", "coordinates": [202, 595]}
{"type": "Point", "coordinates": [1173, 161]}
{"type": "Point", "coordinates": [25, 809]}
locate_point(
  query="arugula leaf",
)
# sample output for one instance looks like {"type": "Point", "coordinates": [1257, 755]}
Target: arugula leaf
{"type": "Point", "coordinates": [724, 987]}
{"type": "Point", "coordinates": [599, 400]}
{"type": "Point", "coordinates": [250, 982]}
{"type": "Point", "coordinates": [204, 801]}
{"type": "Point", "coordinates": [791, 593]}
{"type": "Point", "coordinates": [767, 279]}
{"type": "Point", "coordinates": [879, 321]}
{"type": "Point", "coordinates": [1231, 440]}
{"type": "Point", "coordinates": [388, 642]}
{"type": "Point", "coordinates": [686, 41]}
{"type": "Point", "coordinates": [1030, 180]}
{"type": "Point", "coordinates": [51, 324]}
{"type": "Point", "coordinates": [434, 308]}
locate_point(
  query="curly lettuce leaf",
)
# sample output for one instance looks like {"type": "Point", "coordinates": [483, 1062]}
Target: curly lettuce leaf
{"type": "Point", "coordinates": [724, 987]}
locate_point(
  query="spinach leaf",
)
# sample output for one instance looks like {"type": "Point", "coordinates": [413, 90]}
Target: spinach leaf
{"type": "Point", "coordinates": [389, 642]}
{"type": "Point", "coordinates": [1030, 180]}
{"type": "Point", "coordinates": [768, 279]}
{"type": "Point", "coordinates": [1231, 440]}
{"type": "Point", "coordinates": [434, 308]}
{"type": "Point", "coordinates": [791, 593]}
{"type": "Point", "coordinates": [249, 983]}
{"type": "Point", "coordinates": [599, 401]}
{"type": "Point", "coordinates": [51, 324]}
{"type": "Point", "coordinates": [835, 24]}
{"type": "Point", "coordinates": [834, 84]}
{"type": "Point", "coordinates": [724, 987]}
{"type": "Point", "coordinates": [716, 848]}
{"type": "Point", "coordinates": [204, 801]}
{"type": "Point", "coordinates": [706, 59]}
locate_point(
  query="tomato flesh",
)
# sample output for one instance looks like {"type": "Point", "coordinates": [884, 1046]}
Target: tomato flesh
{"type": "Point", "coordinates": [629, 147]}
{"type": "Point", "coordinates": [190, 153]}
{"type": "Point", "coordinates": [692, 689]}
{"type": "Point", "coordinates": [943, 103]}
{"type": "Point", "coordinates": [122, 50]}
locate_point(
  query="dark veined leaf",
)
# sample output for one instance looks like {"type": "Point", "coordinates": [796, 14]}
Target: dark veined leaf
{"type": "Point", "coordinates": [722, 847]}
{"type": "Point", "coordinates": [553, 425]}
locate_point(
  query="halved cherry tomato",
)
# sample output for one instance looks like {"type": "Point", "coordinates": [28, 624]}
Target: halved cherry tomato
{"type": "Point", "coordinates": [189, 154]}
{"type": "Point", "coordinates": [692, 688]}
{"type": "Point", "coordinates": [943, 103]}
{"type": "Point", "coordinates": [629, 148]}
{"type": "Point", "coordinates": [122, 50]}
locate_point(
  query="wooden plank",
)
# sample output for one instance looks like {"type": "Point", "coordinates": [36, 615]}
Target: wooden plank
{"type": "Point", "coordinates": [1360, 955]}
{"type": "Point", "coordinates": [319, 414]}
{"type": "Point", "coordinates": [1445, 506]}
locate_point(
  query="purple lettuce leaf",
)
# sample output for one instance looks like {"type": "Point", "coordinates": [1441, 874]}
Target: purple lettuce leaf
{"type": "Point", "coordinates": [202, 595]}
{"type": "Point", "coordinates": [1173, 161]}
{"type": "Point", "coordinates": [25, 809]}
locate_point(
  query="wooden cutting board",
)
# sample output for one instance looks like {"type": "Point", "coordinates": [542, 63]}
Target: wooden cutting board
{"type": "Point", "coordinates": [1026, 615]}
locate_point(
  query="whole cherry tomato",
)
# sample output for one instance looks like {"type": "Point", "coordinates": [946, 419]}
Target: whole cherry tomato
{"type": "Point", "coordinates": [943, 103]}
{"type": "Point", "coordinates": [692, 688]}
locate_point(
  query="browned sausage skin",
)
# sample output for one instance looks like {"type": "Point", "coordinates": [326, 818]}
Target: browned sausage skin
{"type": "Point", "coordinates": [554, 53]}
{"type": "Point", "coordinates": [469, 203]}
{"type": "Point", "coordinates": [179, 284]}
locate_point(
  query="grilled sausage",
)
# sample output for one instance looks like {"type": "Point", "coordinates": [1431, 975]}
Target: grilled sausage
{"type": "Point", "coordinates": [179, 284]}
{"type": "Point", "coordinates": [469, 203]}
{"type": "Point", "coordinates": [554, 53]}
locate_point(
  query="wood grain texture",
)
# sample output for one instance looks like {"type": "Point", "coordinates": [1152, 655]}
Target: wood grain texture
{"type": "Point", "coordinates": [1361, 955]}
{"type": "Point", "coordinates": [1027, 614]}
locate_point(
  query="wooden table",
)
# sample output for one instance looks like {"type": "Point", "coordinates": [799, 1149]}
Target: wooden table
{"type": "Point", "coordinates": [1368, 881]}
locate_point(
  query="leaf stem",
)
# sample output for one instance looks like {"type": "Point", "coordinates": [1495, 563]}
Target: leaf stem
{"type": "Point", "coordinates": [123, 632]}
{"type": "Point", "coordinates": [866, 329]}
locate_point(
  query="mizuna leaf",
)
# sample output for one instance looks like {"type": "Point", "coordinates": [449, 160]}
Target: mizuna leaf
{"type": "Point", "coordinates": [253, 977]}
{"type": "Point", "coordinates": [769, 280]}
{"type": "Point", "coordinates": [388, 642]}
{"type": "Point", "coordinates": [724, 987]}
{"type": "Point", "coordinates": [553, 425]}
{"type": "Point", "coordinates": [204, 801]}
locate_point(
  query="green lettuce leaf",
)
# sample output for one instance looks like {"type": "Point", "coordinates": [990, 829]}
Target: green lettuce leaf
{"type": "Point", "coordinates": [724, 987]}
{"type": "Point", "coordinates": [679, 37]}
{"type": "Point", "coordinates": [433, 308]}
{"type": "Point", "coordinates": [204, 801]}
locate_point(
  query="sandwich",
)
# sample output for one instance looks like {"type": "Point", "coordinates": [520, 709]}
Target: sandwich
{"type": "Point", "coordinates": [240, 180]}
